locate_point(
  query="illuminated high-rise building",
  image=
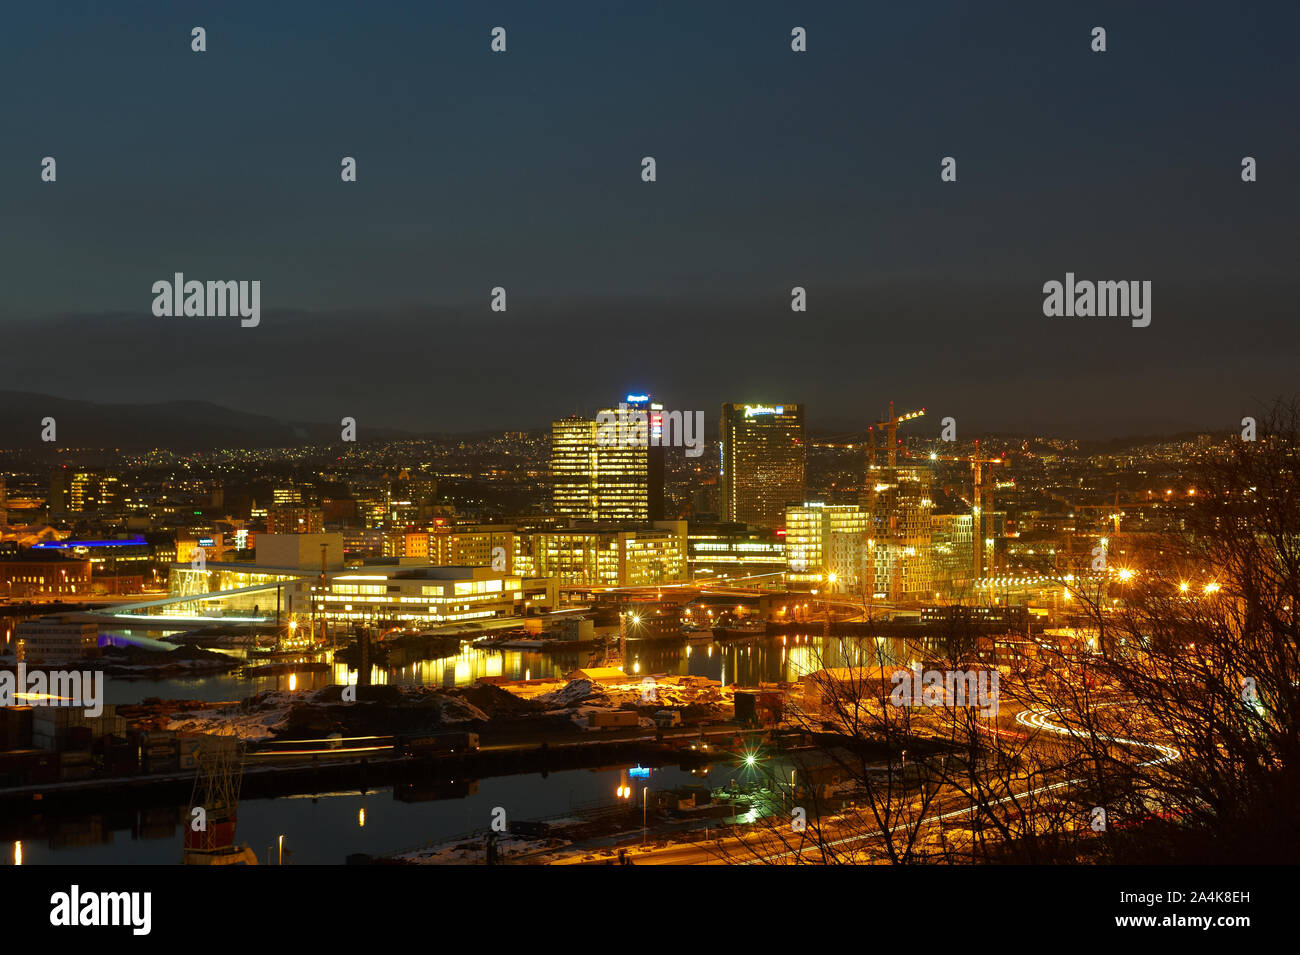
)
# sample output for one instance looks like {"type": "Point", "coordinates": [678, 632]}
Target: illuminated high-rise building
{"type": "Point", "coordinates": [286, 495]}
{"type": "Point", "coordinates": [610, 472]}
{"type": "Point", "coordinates": [763, 458]}
{"type": "Point", "coordinates": [805, 544]}
{"type": "Point", "coordinates": [830, 545]}
{"type": "Point", "coordinates": [573, 465]}
{"type": "Point", "coordinates": [899, 503]}
{"type": "Point", "coordinates": [82, 492]}
{"type": "Point", "coordinates": [951, 537]}
{"type": "Point", "coordinates": [295, 519]}
{"type": "Point", "coordinates": [654, 453]}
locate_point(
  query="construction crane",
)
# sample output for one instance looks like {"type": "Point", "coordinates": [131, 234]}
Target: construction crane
{"type": "Point", "coordinates": [981, 504]}
{"type": "Point", "coordinates": [890, 425]}
{"type": "Point", "coordinates": [1114, 515]}
{"type": "Point", "coordinates": [318, 598]}
{"type": "Point", "coordinates": [214, 804]}
{"type": "Point", "coordinates": [982, 510]}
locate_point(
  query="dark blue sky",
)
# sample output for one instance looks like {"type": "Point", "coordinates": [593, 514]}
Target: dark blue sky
{"type": "Point", "coordinates": [775, 169]}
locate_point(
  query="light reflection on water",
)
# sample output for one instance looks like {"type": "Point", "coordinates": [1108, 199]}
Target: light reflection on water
{"type": "Point", "coordinates": [771, 660]}
{"type": "Point", "coordinates": [327, 829]}
{"type": "Point", "coordinates": [324, 830]}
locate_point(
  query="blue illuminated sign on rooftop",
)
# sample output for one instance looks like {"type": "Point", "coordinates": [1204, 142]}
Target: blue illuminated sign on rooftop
{"type": "Point", "coordinates": [68, 545]}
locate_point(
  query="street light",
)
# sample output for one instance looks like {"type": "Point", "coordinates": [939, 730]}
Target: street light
{"type": "Point", "coordinates": [733, 809]}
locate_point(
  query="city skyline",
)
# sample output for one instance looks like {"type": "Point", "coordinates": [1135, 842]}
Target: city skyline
{"type": "Point", "coordinates": [608, 434]}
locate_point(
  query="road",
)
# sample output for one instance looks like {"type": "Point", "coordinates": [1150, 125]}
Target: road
{"type": "Point", "coordinates": [849, 836]}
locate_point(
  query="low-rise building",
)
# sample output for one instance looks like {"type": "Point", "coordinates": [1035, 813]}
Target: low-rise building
{"type": "Point", "coordinates": [56, 639]}
{"type": "Point", "coordinates": [733, 550]}
{"type": "Point", "coordinates": [425, 594]}
{"type": "Point", "coordinates": [27, 574]}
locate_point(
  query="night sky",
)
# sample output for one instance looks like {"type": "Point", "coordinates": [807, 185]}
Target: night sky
{"type": "Point", "coordinates": [775, 169]}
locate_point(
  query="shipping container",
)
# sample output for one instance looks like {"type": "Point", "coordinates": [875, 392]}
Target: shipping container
{"type": "Point", "coordinates": [612, 719]}
{"type": "Point", "coordinates": [60, 715]}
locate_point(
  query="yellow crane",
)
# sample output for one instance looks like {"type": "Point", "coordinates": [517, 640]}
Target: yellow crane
{"type": "Point", "coordinates": [890, 425]}
{"type": "Point", "coordinates": [981, 504]}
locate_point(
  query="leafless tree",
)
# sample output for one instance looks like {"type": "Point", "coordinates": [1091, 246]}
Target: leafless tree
{"type": "Point", "coordinates": [1198, 649]}
{"type": "Point", "coordinates": [1162, 727]}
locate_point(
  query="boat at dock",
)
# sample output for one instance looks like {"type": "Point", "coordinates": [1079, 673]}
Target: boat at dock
{"type": "Point", "coordinates": [279, 669]}
{"type": "Point", "coordinates": [743, 632]}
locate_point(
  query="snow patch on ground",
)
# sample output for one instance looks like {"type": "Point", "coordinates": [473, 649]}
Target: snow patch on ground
{"type": "Point", "coordinates": [572, 693]}
{"type": "Point", "coordinates": [258, 722]}
{"type": "Point", "coordinates": [454, 710]}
